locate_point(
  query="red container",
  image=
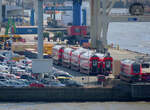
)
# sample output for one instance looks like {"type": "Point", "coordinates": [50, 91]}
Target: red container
{"type": "Point", "coordinates": [77, 31]}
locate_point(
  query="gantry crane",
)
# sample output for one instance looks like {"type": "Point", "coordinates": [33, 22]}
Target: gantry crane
{"type": "Point", "coordinates": [101, 17]}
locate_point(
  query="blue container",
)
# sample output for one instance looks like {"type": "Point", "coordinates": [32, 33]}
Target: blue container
{"type": "Point", "coordinates": [26, 30]}
{"type": "Point", "coordinates": [32, 23]}
{"type": "Point", "coordinates": [84, 17]}
{"type": "Point", "coordinates": [77, 12]}
{"type": "Point", "coordinates": [83, 41]}
{"type": "Point", "coordinates": [14, 19]}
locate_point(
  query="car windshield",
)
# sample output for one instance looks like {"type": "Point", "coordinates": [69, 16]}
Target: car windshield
{"type": "Point", "coordinates": [55, 83]}
{"type": "Point", "coordinates": [65, 75]}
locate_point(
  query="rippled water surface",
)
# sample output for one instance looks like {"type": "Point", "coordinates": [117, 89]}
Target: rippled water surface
{"type": "Point", "coordinates": [132, 36]}
{"type": "Point", "coordinates": [77, 106]}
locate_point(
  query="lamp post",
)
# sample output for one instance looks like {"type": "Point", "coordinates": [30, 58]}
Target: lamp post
{"type": "Point", "coordinates": [88, 68]}
{"type": "Point", "coordinates": [10, 48]}
{"type": "Point", "coordinates": [40, 29]}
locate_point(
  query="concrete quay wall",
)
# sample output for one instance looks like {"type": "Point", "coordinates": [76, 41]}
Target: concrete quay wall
{"type": "Point", "coordinates": [62, 94]}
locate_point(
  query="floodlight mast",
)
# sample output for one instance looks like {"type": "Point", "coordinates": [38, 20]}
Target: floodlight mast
{"type": "Point", "coordinates": [40, 29]}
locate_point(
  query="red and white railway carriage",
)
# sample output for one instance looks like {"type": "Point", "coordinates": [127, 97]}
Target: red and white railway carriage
{"type": "Point", "coordinates": [104, 63]}
{"type": "Point", "coordinates": [66, 60]}
{"type": "Point", "coordinates": [130, 70]}
{"type": "Point", "coordinates": [75, 58]}
{"type": "Point", "coordinates": [86, 60]}
{"type": "Point", "coordinates": [57, 54]}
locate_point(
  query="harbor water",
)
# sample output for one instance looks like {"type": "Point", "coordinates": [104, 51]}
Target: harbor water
{"type": "Point", "coordinates": [132, 36]}
{"type": "Point", "coordinates": [77, 106]}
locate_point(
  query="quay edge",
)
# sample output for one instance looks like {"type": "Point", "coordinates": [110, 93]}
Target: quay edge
{"type": "Point", "coordinates": [122, 93]}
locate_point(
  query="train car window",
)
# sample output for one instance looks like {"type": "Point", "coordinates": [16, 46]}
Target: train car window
{"type": "Point", "coordinates": [77, 30]}
{"type": "Point", "coordinates": [94, 62]}
{"type": "Point", "coordinates": [108, 64]}
{"type": "Point", "coordinates": [136, 68]}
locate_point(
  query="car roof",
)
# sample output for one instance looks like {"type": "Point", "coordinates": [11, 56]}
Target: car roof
{"type": "Point", "coordinates": [62, 77]}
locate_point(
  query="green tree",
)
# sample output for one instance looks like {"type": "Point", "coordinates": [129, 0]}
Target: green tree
{"type": "Point", "coordinates": [46, 35]}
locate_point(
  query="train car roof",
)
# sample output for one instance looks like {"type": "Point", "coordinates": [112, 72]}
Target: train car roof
{"type": "Point", "coordinates": [68, 50]}
{"type": "Point", "coordinates": [127, 61]}
{"type": "Point", "coordinates": [79, 50]}
{"type": "Point", "coordinates": [58, 46]}
{"type": "Point", "coordinates": [100, 55]}
{"type": "Point", "coordinates": [87, 54]}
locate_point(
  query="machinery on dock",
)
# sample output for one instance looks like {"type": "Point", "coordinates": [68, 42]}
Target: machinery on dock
{"type": "Point", "coordinates": [5, 39]}
{"type": "Point", "coordinates": [48, 48]}
{"type": "Point", "coordinates": [136, 8]}
{"type": "Point", "coordinates": [76, 33]}
{"type": "Point", "coordinates": [100, 21]}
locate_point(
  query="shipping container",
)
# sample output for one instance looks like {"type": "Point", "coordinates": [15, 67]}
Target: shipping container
{"type": "Point", "coordinates": [26, 30]}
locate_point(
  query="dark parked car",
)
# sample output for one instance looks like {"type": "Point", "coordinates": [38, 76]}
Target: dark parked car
{"type": "Point", "coordinates": [71, 83]}
{"type": "Point", "coordinates": [3, 84]}
{"type": "Point", "coordinates": [27, 77]}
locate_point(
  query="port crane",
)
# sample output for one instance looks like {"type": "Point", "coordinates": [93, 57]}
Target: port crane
{"type": "Point", "coordinates": [101, 16]}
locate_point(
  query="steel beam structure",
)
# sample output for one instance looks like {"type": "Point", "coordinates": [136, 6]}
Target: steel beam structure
{"type": "Point", "coordinates": [84, 13]}
{"type": "Point", "coordinates": [40, 29]}
{"type": "Point", "coordinates": [32, 23]}
{"type": "Point", "coordinates": [128, 18]}
{"type": "Point", "coordinates": [99, 24]}
{"type": "Point", "coordinates": [94, 23]}
{"type": "Point", "coordinates": [0, 13]}
{"type": "Point", "coordinates": [101, 17]}
{"type": "Point", "coordinates": [77, 12]}
{"type": "Point", "coordinates": [36, 12]}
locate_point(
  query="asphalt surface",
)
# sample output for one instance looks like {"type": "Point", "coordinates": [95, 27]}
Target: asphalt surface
{"type": "Point", "coordinates": [72, 72]}
{"type": "Point", "coordinates": [87, 80]}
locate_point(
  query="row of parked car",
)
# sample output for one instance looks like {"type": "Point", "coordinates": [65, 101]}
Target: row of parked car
{"type": "Point", "coordinates": [58, 79]}
{"type": "Point", "coordinates": [19, 74]}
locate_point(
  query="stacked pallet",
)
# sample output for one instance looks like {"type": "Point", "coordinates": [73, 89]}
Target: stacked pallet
{"type": "Point", "coordinates": [23, 46]}
{"type": "Point", "coordinates": [48, 48]}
